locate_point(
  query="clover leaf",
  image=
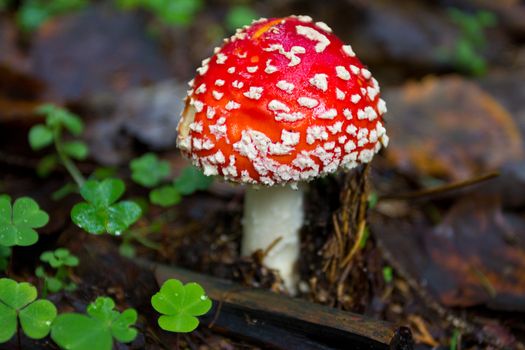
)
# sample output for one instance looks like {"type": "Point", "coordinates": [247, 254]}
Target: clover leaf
{"type": "Point", "coordinates": [60, 117]}
{"type": "Point", "coordinates": [18, 302]}
{"type": "Point", "coordinates": [61, 260]}
{"type": "Point", "coordinates": [59, 257]}
{"type": "Point", "coordinates": [18, 221]}
{"type": "Point", "coordinates": [96, 330]}
{"type": "Point", "coordinates": [102, 213]}
{"type": "Point", "coordinates": [40, 136]}
{"type": "Point", "coordinates": [180, 304]}
{"type": "Point", "coordinates": [148, 170]}
{"type": "Point", "coordinates": [192, 179]}
{"type": "Point", "coordinates": [165, 196]}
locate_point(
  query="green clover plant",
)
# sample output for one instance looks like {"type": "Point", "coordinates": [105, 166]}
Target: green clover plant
{"type": "Point", "coordinates": [43, 135]}
{"type": "Point", "coordinates": [179, 305]}
{"type": "Point", "coordinates": [101, 212]}
{"type": "Point", "coordinates": [18, 304]}
{"type": "Point", "coordinates": [19, 221]}
{"type": "Point", "coordinates": [148, 170]}
{"type": "Point", "coordinates": [61, 260]}
{"type": "Point", "coordinates": [190, 180]}
{"type": "Point", "coordinates": [97, 329]}
{"type": "Point", "coordinates": [467, 54]}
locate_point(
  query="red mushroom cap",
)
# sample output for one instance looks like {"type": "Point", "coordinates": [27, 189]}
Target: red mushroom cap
{"type": "Point", "coordinates": [283, 100]}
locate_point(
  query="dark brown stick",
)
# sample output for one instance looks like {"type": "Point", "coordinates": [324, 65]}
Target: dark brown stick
{"type": "Point", "coordinates": [279, 321]}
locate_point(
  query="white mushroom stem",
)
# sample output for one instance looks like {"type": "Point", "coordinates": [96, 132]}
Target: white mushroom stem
{"type": "Point", "coordinates": [271, 214]}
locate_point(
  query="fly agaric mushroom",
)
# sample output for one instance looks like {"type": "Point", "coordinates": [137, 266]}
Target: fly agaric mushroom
{"type": "Point", "coordinates": [283, 101]}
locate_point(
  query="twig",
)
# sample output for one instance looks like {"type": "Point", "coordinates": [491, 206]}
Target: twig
{"type": "Point", "coordinates": [442, 189]}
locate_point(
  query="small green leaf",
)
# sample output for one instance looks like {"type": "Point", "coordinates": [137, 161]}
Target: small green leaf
{"type": "Point", "coordinates": [101, 214]}
{"type": "Point", "coordinates": [76, 149]}
{"type": "Point", "coordinates": [192, 179]}
{"type": "Point", "coordinates": [17, 223]}
{"type": "Point", "coordinates": [103, 193]}
{"type": "Point", "coordinates": [148, 170]}
{"type": "Point", "coordinates": [388, 274]}
{"type": "Point", "coordinates": [46, 165]}
{"type": "Point", "coordinates": [127, 250]}
{"type": "Point", "coordinates": [180, 304]}
{"type": "Point", "coordinates": [95, 331]}
{"type": "Point", "coordinates": [53, 284]}
{"type": "Point", "coordinates": [165, 196]}
{"type": "Point", "coordinates": [8, 322]}
{"type": "Point", "coordinates": [63, 191]}
{"type": "Point", "coordinates": [121, 326]}
{"type": "Point", "coordinates": [80, 332]}
{"type": "Point", "coordinates": [40, 136]}
{"type": "Point", "coordinates": [37, 317]}
{"type": "Point", "coordinates": [18, 300]}
{"type": "Point", "coordinates": [59, 117]}
{"type": "Point", "coordinates": [16, 295]}
{"type": "Point", "coordinates": [59, 257]}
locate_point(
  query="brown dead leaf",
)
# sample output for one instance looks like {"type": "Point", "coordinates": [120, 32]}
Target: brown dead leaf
{"type": "Point", "coordinates": [450, 128]}
{"type": "Point", "coordinates": [476, 255]}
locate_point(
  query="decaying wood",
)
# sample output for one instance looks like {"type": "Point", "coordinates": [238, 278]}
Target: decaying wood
{"type": "Point", "coordinates": [282, 322]}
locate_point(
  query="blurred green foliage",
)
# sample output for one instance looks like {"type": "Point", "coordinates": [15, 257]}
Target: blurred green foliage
{"type": "Point", "coordinates": [239, 16]}
{"type": "Point", "coordinates": [171, 12]}
{"type": "Point", "coordinates": [4, 4]}
{"type": "Point", "coordinates": [467, 54]}
{"type": "Point", "coordinates": [33, 13]}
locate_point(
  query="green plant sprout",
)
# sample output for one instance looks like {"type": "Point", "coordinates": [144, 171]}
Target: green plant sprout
{"type": "Point", "coordinates": [61, 260]}
{"type": "Point", "coordinates": [467, 54]}
{"type": "Point", "coordinates": [33, 13]}
{"type": "Point", "coordinates": [455, 340]}
{"type": "Point", "coordinates": [127, 249]}
{"type": "Point", "coordinates": [239, 16]}
{"type": "Point", "coordinates": [388, 274]}
{"type": "Point", "coordinates": [43, 135]}
{"type": "Point", "coordinates": [97, 329]}
{"type": "Point", "coordinates": [179, 305]}
{"type": "Point", "coordinates": [101, 212]}
{"type": "Point", "coordinates": [5, 254]}
{"type": "Point", "coordinates": [18, 304]}
{"type": "Point", "coordinates": [148, 170]}
{"type": "Point", "coordinates": [19, 221]}
{"type": "Point", "coordinates": [171, 12]}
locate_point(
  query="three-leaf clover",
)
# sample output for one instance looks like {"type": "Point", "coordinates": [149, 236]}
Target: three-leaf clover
{"type": "Point", "coordinates": [192, 179]}
{"type": "Point", "coordinates": [180, 304]}
{"type": "Point", "coordinates": [148, 170]}
{"type": "Point", "coordinates": [96, 330]}
{"type": "Point", "coordinates": [60, 259]}
{"type": "Point", "coordinates": [102, 213]}
{"type": "Point", "coordinates": [18, 221]}
{"type": "Point", "coordinates": [42, 135]}
{"type": "Point", "coordinates": [18, 303]}
{"type": "Point", "coordinates": [165, 196]}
